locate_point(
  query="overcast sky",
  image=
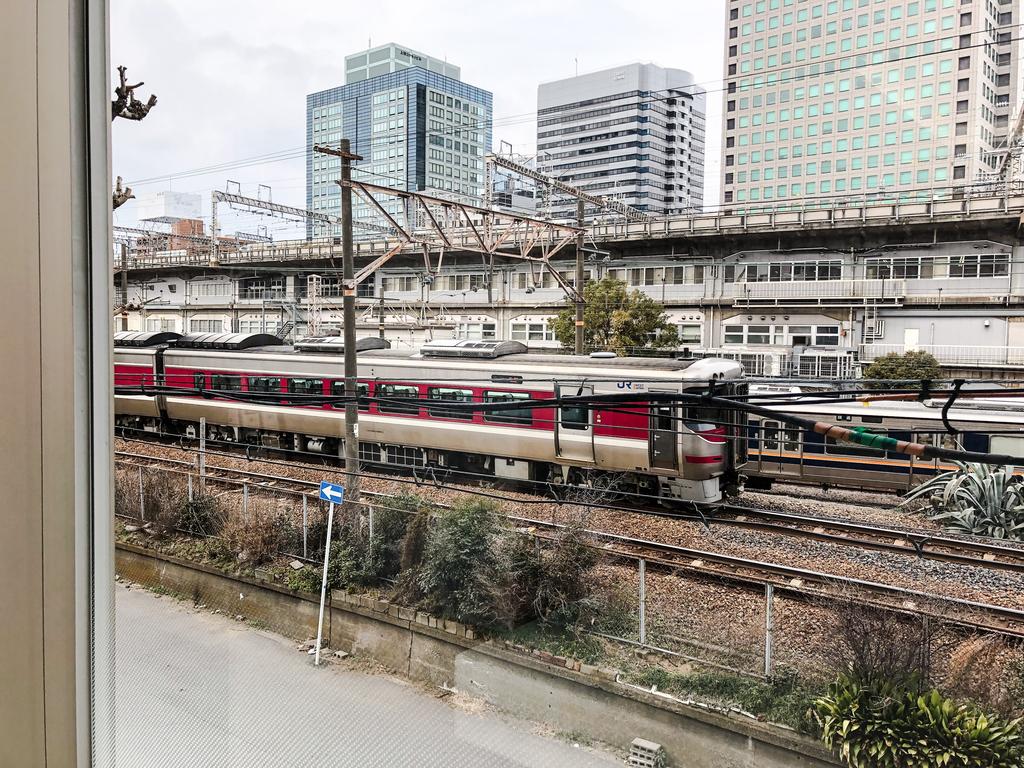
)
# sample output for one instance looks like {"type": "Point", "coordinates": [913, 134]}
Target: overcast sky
{"type": "Point", "coordinates": [232, 75]}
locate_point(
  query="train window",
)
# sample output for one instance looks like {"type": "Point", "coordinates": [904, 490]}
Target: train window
{"type": "Point", "coordinates": [849, 449]}
{"type": "Point", "coordinates": [306, 387]}
{"type": "Point", "coordinates": [199, 381]}
{"type": "Point", "coordinates": [871, 419]}
{"type": "Point", "coordinates": [398, 392]}
{"type": "Point", "coordinates": [575, 417]}
{"type": "Point", "coordinates": [452, 396]}
{"type": "Point", "coordinates": [791, 437]}
{"type": "Point", "coordinates": [942, 439]}
{"type": "Point", "coordinates": [510, 416]}
{"type": "Point", "coordinates": [769, 435]}
{"type": "Point", "coordinates": [362, 391]}
{"type": "Point", "coordinates": [226, 383]}
{"type": "Point", "coordinates": [264, 384]}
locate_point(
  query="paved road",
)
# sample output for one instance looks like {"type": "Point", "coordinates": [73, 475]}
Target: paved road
{"type": "Point", "coordinates": [198, 689]}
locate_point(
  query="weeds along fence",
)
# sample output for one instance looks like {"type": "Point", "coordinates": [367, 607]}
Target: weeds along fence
{"type": "Point", "coordinates": [678, 615]}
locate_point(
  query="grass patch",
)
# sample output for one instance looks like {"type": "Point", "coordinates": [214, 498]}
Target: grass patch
{"type": "Point", "coordinates": [550, 638]}
{"type": "Point", "coordinates": [783, 699]}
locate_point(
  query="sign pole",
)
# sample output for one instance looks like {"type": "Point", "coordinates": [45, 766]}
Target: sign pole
{"type": "Point", "coordinates": [323, 585]}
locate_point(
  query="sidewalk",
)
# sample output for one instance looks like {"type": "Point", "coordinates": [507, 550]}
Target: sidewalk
{"type": "Point", "coordinates": [199, 689]}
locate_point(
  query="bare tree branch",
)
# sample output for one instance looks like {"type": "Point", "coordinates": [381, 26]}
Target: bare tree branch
{"type": "Point", "coordinates": [121, 194]}
{"type": "Point", "coordinates": [126, 105]}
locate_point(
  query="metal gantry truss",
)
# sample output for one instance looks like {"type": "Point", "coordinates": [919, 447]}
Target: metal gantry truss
{"type": "Point", "coordinates": [492, 161]}
{"type": "Point", "coordinates": [287, 211]}
{"type": "Point", "coordinates": [431, 224]}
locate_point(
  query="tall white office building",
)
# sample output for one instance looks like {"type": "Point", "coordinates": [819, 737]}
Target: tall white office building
{"type": "Point", "coordinates": [634, 133]}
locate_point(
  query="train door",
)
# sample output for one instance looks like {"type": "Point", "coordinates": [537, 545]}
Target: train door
{"type": "Point", "coordinates": [664, 437]}
{"type": "Point", "coordinates": [574, 425]}
{"type": "Point", "coordinates": [779, 448]}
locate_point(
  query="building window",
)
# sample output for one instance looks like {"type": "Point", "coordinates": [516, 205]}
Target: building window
{"type": "Point", "coordinates": [531, 331]}
{"type": "Point", "coordinates": [783, 272]}
{"type": "Point", "coordinates": [477, 331]}
{"type": "Point", "coordinates": [979, 265]}
{"type": "Point", "coordinates": [690, 333]}
{"type": "Point", "coordinates": [164, 324]}
{"type": "Point", "coordinates": [900, 268]}
{"type": "Point", "coordinates": [206, 326]}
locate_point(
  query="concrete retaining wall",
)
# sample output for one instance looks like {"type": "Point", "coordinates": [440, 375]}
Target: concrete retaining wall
{"type": "Point", "coordinates": [426, 649]}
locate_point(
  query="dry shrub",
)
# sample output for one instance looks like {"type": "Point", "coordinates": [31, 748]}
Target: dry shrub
{"type": "Point", "coordinates": [872, 643]}
{"type": "Point", "coordinates": [166, 496]}
{"type": "Point", "coordinates": [257, 534]}
{"type": "Point", "coordinates": [126, 493]}
{"type": "Point", "coordinates": [986, 669]}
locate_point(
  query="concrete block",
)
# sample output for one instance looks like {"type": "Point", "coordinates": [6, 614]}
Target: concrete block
{"type": "Point", "coordinates": [406, 614]}
{"type": "Point", "coordinates": [451, 627]}
{"type": "Point", "coordinates": [381, 606]}
{"type": "Point", "coordinates": [393, 610]}
{"type": "Point", "coordinates": [423, 618]}
{"type": "Point", "coordinates": [470, 634]}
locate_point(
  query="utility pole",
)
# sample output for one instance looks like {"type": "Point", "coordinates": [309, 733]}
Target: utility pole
{"type": "Point", "coordinates": [348, 307]}
{"type": "Point", "coordinates": [380, 320]}
{"type": "Point", "coordinates": [124, 287]}
{"type": "Point", "coordinates": [579, 278]}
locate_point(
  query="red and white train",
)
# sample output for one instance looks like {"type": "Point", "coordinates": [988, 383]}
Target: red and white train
{"type": "Point", "coordinates": [652, 448]}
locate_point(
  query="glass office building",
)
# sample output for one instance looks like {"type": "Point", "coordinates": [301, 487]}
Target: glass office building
{"type": "Point", "coordinates": [416, 129]}
{"type": "Point", "coordinates": [850, 98]}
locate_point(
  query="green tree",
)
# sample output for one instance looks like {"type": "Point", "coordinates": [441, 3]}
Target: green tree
{"type": "Point", "coordinates": [616, 319]}
{"type": "Point", "coordinates": [908, 366]}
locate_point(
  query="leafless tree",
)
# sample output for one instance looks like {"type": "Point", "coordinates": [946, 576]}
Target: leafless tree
{"type": "Point", "coordinates": [126, 106]}
{"type": "Point", "coordinates": [122, 194]}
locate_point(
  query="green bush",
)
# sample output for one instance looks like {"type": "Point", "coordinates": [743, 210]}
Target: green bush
{"type": "Point", "coordinates": [456, 575]}
{"type": "Point", "coordinates": [880, 724]}
{"type": "Point", "coordinates": [910, 366]}
{"type": "Point", "coordinates": [978, 499]}
{"type": "Point", "coordinates": [784, 698]}
{"type": "Point", "coordinates": [306, 579]}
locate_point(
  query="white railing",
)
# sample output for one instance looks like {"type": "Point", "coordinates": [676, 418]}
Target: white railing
{"type": "Point", "coordinates": [818, 289]}
{"type": "Point", "coordinates": [949, 353]}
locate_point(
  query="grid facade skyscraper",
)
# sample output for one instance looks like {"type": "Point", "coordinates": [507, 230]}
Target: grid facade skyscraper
{"type": "Point", "coordinates": [846, 98]}
{"type": "Point", "coordinates": [634, 133]}
{"type": "Point", "coordinates": [416, 129]}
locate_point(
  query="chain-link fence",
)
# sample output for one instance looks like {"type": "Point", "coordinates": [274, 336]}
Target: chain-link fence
{"type": "Point", "coordinates": [647, 614]}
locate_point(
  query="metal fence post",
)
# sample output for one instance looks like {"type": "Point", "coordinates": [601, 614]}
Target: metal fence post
{"type": "Point", "coordinates": [769, 627]}
{"type": "Point", "coordinates": [245, 503]}
{"type": "Point", "coordinates": [643, 601]}
{"type": "Point", "coordinates": [305, 524]}
{"type": "Point", "coordinates": [190, 497]}
{"type": "Point", "coordinates": [370, 508]}
{"type": "Point", "coordinates": [202, 455]}
{"type": "Point", "coordinates": [142, 497]}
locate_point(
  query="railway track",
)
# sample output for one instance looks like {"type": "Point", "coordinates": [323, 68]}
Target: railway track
{"type": "Point", "coordinates": [980, 554]}
{"type": "Point", "coordinates": [799, 581]}
{"type": "Point", "coordinates": [806, 582]}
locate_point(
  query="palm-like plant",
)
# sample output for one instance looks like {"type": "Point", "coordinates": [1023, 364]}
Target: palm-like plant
{"type": "Point", "coordinates": [979, 499]}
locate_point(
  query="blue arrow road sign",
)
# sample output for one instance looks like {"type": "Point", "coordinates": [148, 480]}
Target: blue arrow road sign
{"type": "Point", "coordinates": [332, 492]}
